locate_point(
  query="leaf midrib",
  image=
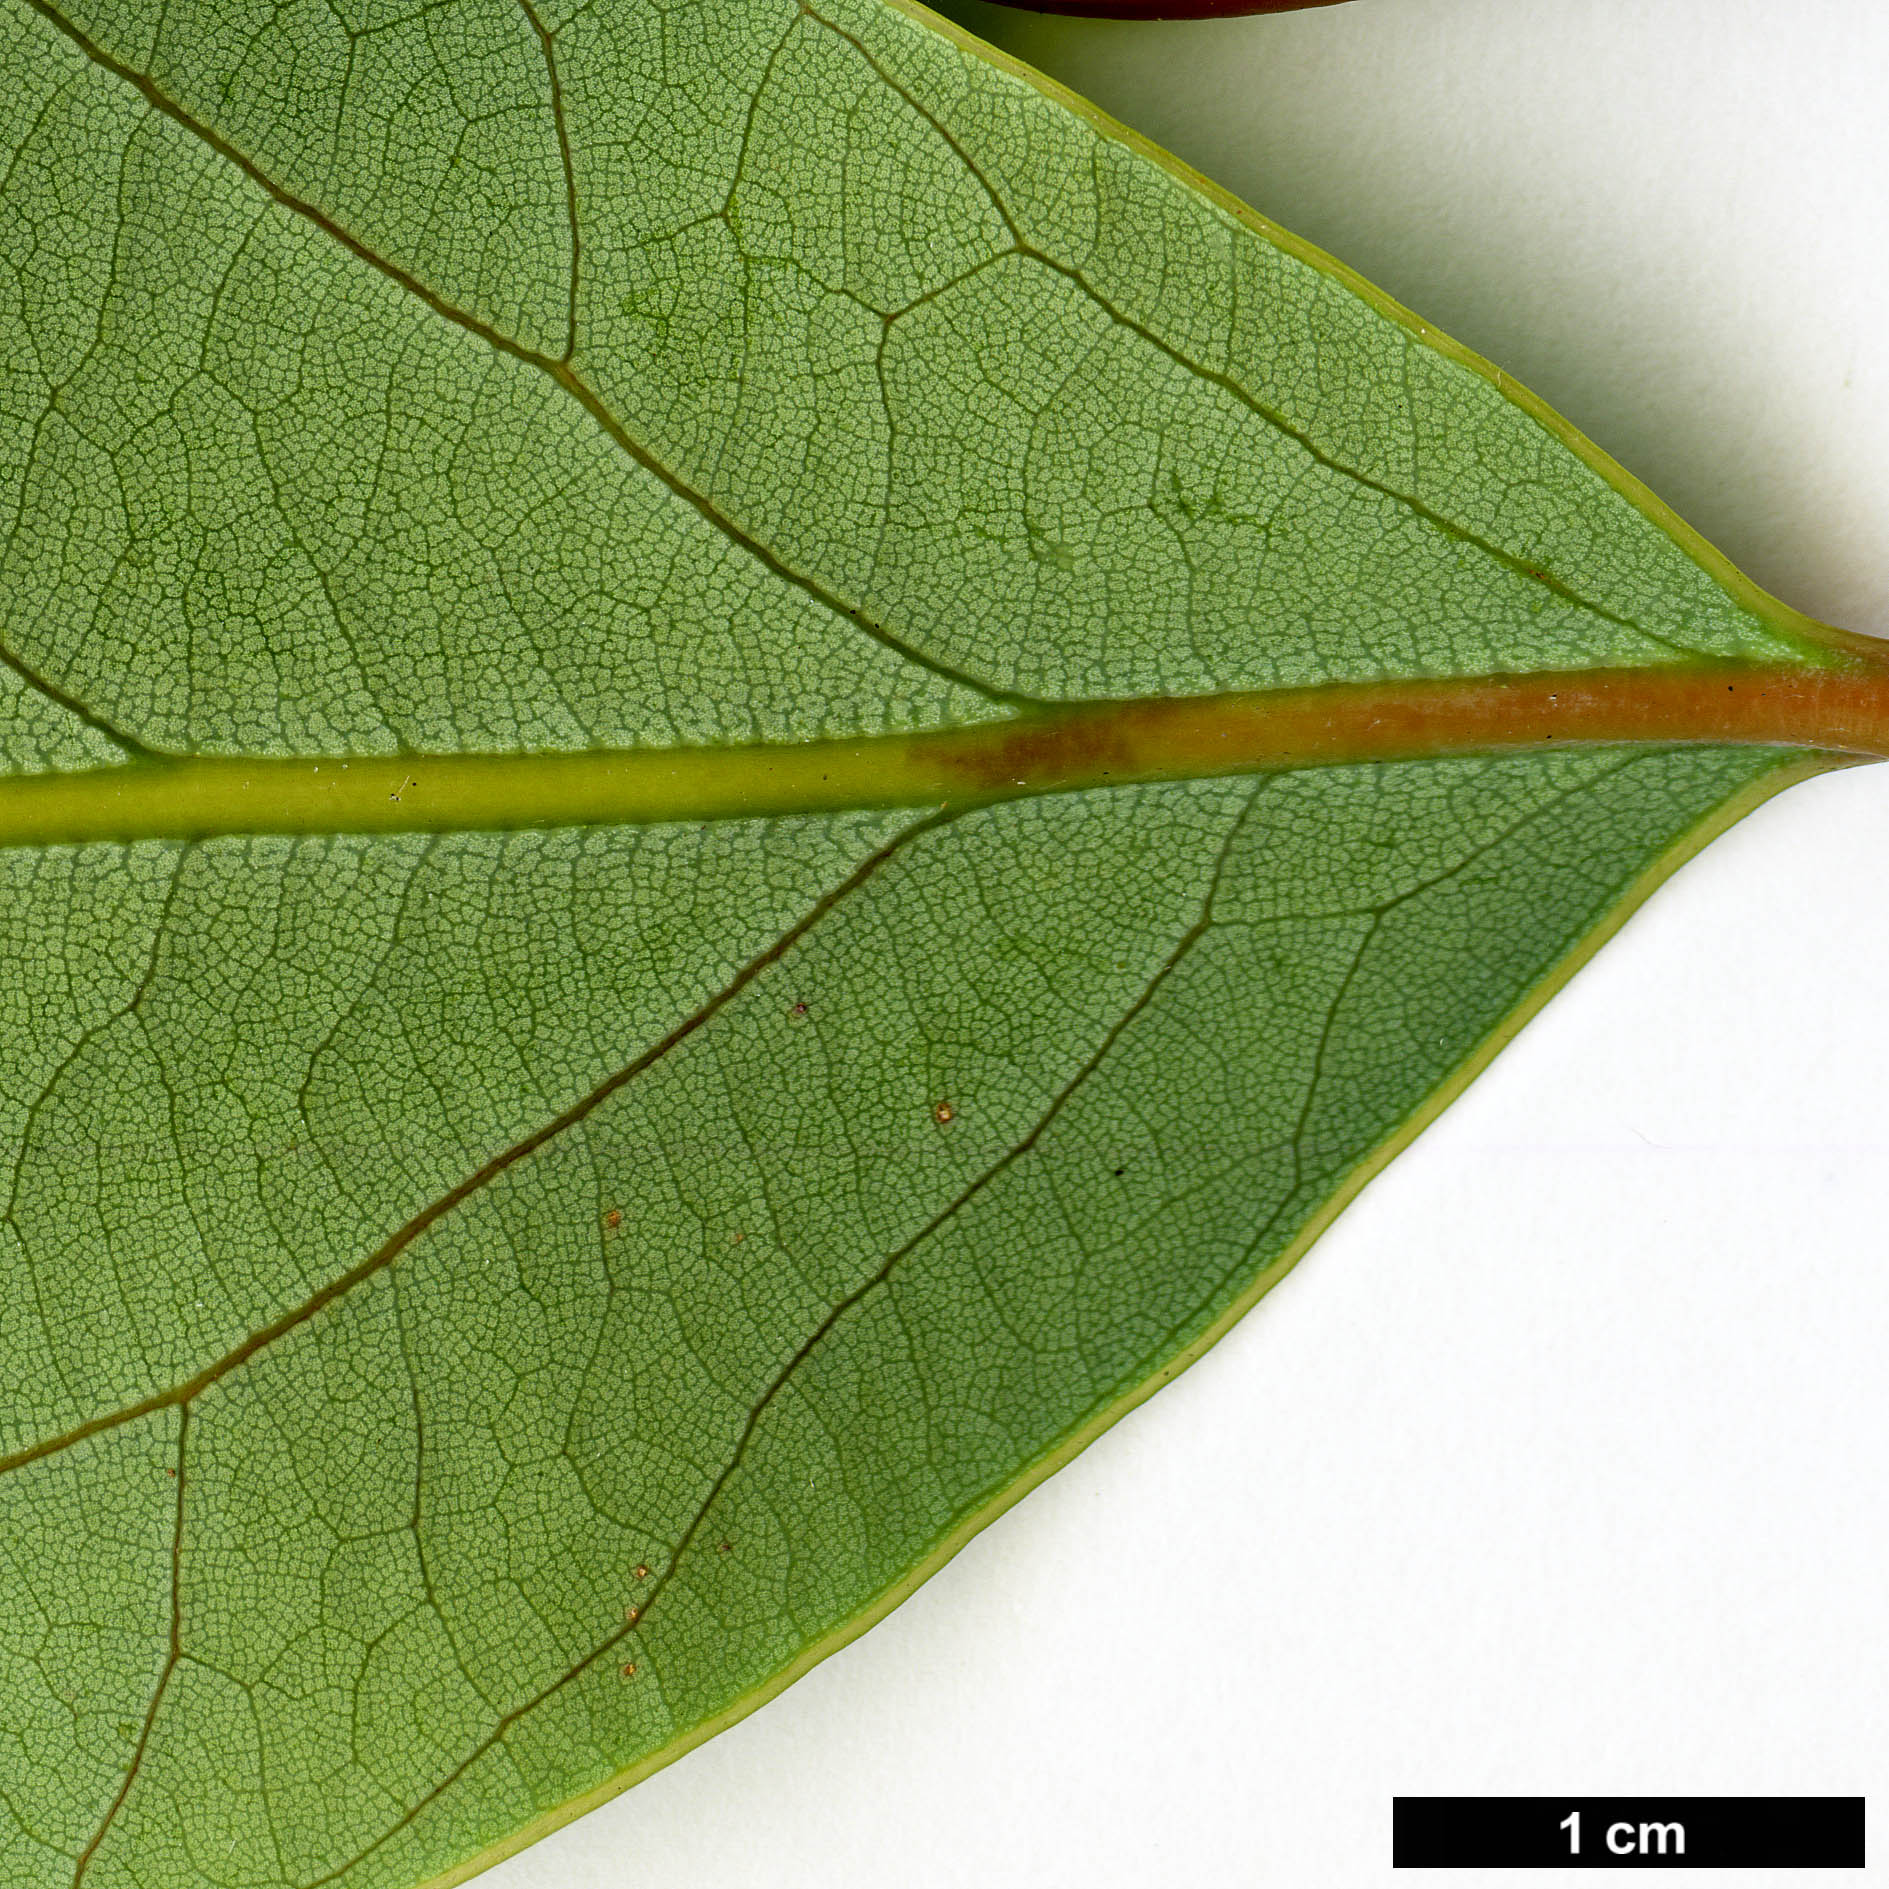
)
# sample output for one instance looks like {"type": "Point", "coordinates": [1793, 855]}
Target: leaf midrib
{"type": "Point", "coordinates": [1841, 709]}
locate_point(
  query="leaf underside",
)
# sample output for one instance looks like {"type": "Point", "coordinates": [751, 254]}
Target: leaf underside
{"type": "Point", "coordinates": [478, 1310]}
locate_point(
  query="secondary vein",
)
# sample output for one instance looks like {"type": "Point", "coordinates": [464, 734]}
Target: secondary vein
{"type": "Point", "coordinates": [182, 1394]}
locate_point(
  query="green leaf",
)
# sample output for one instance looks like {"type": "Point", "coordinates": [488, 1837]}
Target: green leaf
{"type": "Point", "coordinates": [667, 926]}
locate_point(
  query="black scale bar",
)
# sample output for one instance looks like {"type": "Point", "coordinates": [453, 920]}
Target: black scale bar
{"type": "Point", "coordinates": [1627, 1833]}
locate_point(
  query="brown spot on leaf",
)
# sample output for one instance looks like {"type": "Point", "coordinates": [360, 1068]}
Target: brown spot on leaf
{"type": "Point", "coordinates": [642, 1570]}
{"type": "Point", "coordinates": [629, 1670]}
{"type": "Point", "coordinates": [943, 1113]}
{"type": "Point", "coordinates": [799, 1010]}
{"type": "Point", "coordinates": [614, 1218]}
{"type": "Point", "coordinates": [724, 1547]}
{"type": "Point", "coordinates": [631, 1615]}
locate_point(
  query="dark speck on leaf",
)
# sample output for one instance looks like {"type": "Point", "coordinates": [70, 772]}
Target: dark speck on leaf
{"type": "Point", "coordinates": [724, 1547]}
{"type": "Point", "coordinates": [1120, 1171]}
{"type": "Point", "coordinates": [799, 1010]}
{"type": "Point", "coordinates": [944, 1114]}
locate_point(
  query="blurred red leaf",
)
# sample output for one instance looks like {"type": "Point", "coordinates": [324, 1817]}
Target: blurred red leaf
{"type": "Point", "coordinates": [1164, 9]}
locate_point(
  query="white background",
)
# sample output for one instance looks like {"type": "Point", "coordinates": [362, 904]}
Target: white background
{"type": "Point", "coordinates": [1558, 1467]}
